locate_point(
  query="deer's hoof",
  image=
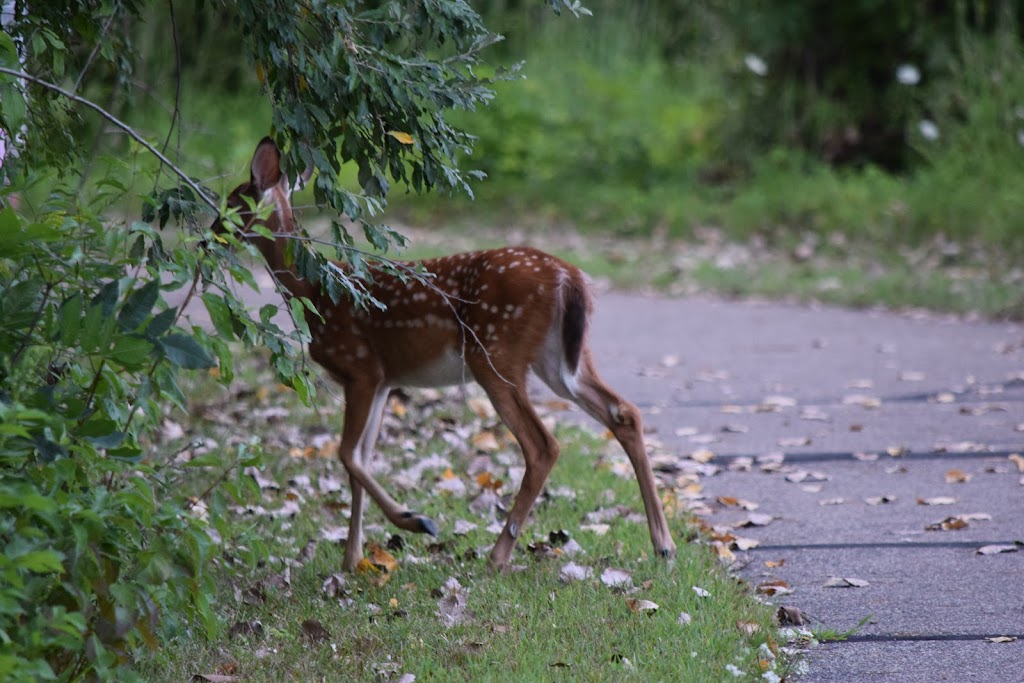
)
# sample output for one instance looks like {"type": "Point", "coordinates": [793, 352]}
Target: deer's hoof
{"type": "Point", "coordinates": [667, 553]}
{"type": "Point", "coordinates": [425, 525]}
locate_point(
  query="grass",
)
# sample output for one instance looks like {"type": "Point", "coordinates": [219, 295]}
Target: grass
{"type": "Point", "coordinates": [522, 625]}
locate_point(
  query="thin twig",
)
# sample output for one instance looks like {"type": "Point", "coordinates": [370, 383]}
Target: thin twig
{"type": "Point", "coordinates": [120, 124]}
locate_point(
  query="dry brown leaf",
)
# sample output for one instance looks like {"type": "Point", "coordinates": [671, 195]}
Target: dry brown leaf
{"type": "Point", "coordinates": [377, 565]}
{"type": "Point", "coordinates": [642, 606]}
{"type": "Point", "coordinates": [1017, 460]}
{"type": "Point", "coordinates": [485, 440]}
{"type": "Point", "coordinates": [773, 587]}
{"type": "Point", "coordinates": [948, 524]}
{"type": "Point", "coordinates": [773, 564]}
{"type": "Point", "coordinates": [789, 616]}
{"type": "Point", "coordinates": [315, 631]}
{"type": "Point", "coordinates": [723, 553]}
{"type": "Point", "coordinates": [956, 476]}
{"type": "Point", "coordinates": [485, 481]}
{"type": "Point", "coordinates": [702, 455]}
{"type": "Point", "coordinates": [246, 628]}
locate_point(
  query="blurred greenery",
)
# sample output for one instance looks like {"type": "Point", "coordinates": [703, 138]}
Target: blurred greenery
{"type": "Point", "coordinates": [892, 123]}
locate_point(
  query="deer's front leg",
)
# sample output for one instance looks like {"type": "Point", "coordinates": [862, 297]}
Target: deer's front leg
{"type": "Point", "coordinates": [364, 407]}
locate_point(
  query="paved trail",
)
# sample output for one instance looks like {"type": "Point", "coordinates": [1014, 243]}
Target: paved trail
{"type": "Point", "coordinates": [938, 393]}
{"type": "Point", "coordinates": [744, 380]}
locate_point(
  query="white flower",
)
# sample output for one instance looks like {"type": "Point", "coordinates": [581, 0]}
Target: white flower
{"type": "Point", "coordinates": [756, 64]}
{"type": "Point", "coordinates": [908, 74]}
{"type": "Point", "coordinates": [929, 131]}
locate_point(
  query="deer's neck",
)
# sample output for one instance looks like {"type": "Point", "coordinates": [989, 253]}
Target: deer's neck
{"type": "Point", "coordinates": [274, 252]}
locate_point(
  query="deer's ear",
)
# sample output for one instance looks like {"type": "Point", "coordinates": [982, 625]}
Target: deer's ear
{"type": "Point", "coordinates": [266, 165]}
{"type": "Point", "coordinates": [301, 181]}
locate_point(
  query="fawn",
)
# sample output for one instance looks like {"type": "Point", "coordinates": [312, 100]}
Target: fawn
{"type": "Point", "coordinates": [490, 316]}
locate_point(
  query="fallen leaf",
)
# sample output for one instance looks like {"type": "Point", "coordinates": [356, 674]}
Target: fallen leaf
{"type": "Point", "coordinates": [733, 502]}
{"type": "Point", "coordinates": [757, 519]}
{"type": "Point", "coordinates": [880, 500]}
{"type": "Point", "coordinates": [701, 592]}
{"type": "Point", "coordinates": [794, 441]}
{"type": "Point", "coordinates": [334, 585]}
{"type": "Point", "coordinates": [452, 604]}
{"type": "Point", "coordinates": [245, 628]}
{"type": "Point", "coordinates": [772, 564]}
{"type": "Point", "coordinates": [995, 549]}
{"type": "Point", "coordinates": [937, 500]}
{"type": "Point", "coordinates": [378, 564]}
{"type": "Point", "coordinates": [912, 376]}
{"type": "Point", "coordinates": [574, 572]}
{"type": "Point", "coordinates": [315, 631]}
{"type": "Point", "coordinates": [463, 527]}
{"type": "Point", "coordinates": [216, 678]}
{"type": "Point", "coordinates": [702, 455]}
{"type": "Point", "coordinates": [616, 578]}
{"type": "Point", "coordinates": [955, 476]}
{"type": "Point", "coordinates": [801, 476]}
{"type": "Point", "coordinates": [487, 482]}
{"type": "Point", "coordinates": [743, 543]}
{"type": "Point", "coordinates": [599, 529]}
{"type": "Point", "coordinates": [669, 361]}
{"type": "Point", "coordinates": [748, 627]}
{"type": "Point", "coordinates": [1017, 460]}
{"type": "Point", "coordinates": [897, 451]}
{"type": "Point", "coordinates": [773, 587]}
{"type": "Point", "coordinates": [845, 582]}
{"type": "Point", "coordinates": [945, 397]}
{"type": "Point", "coordinates": [789, 616]}
{"type": "Point", "coordinates": [832, 501]}
{"type": "Point", "coordinates": [643, 606]}
{"type": "Point", "coordinates": [948, 524]}
{"type": "Point", "coordinates": [1001, 639]}
{"type": "Point", "coordinates": [683, 619]}
{"type": "Point", "coordinates": [862, 400]}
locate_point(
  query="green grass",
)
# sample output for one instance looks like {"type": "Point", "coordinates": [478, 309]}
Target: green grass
{"type": "Point", "coordinates": [521, 625]}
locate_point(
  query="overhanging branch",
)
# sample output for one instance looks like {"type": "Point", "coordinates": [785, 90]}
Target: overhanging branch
{"type": "Point", "coordinates": [120, 124]}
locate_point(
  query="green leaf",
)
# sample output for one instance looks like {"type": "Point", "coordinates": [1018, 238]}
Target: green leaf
{"type": "Point", "coordinates": [41, 561]}
{"type": "Point", "coordinates": [161, 322]}
{"type": "Point", "coordinates": [205, 460]}
{"type": "Point", "coordinates": [220, 314]}
{"type": "Point", "coordinates": [130, 352]}
{"type": "Point", "coordinates": [71, 319]}
{"type": "Point", "coordinates": [185, 352]}
{"type": "Point", "coordinates": [138, 306]}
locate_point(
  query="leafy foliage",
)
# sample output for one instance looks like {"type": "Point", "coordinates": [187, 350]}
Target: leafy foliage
{"type": "Point", "coordinates": [103, 549]}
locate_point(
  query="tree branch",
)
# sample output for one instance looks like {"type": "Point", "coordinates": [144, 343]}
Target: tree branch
{"type": "Point", "coordinates": [120, 124]}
